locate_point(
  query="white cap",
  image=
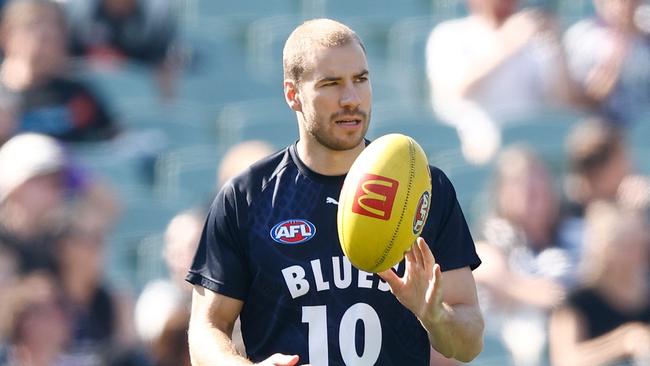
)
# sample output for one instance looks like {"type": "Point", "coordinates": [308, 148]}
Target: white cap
{"type": "Point", "coordinates": [27, 156]}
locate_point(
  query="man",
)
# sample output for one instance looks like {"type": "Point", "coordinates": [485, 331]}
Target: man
{"type": "Point", "coordinates": [32, 193]}
{"type": "Point", "coordinates": [304, 302]}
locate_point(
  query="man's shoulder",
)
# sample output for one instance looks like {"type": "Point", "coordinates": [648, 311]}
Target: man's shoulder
{"type": "Point", "coordinates": [438, 177]}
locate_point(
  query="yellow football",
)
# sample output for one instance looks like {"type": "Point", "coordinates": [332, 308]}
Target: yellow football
{"type": "Point", "coordinates": [384, 202]}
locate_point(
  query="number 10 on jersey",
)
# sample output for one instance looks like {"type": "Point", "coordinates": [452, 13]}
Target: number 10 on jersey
{"type": "Point", "coordinates": [316, 319]}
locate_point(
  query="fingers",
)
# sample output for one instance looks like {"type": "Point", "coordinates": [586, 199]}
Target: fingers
{"type": "Point", "coordinates": [427, 257]}
{"type": "Point", "coordinates": [280, 359]}
{"type": "Point", "coordinates": [391, 278]}
{"type": "Point", "coordinates": [417, 252]}
{"type": "Point", "coordinates": [410, 256]}
{"type": "Point", "coordinates": [435, 289]}
{"type": "Point", "coordinates": [437, 272]}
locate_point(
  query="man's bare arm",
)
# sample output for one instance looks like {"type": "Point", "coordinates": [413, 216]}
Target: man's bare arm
{"type": "Point", "coordinates": [210, 330]}
{"type": "Point", "coordinates": [446, 304]}
{"type": "Point", "coordinates": [210, 333]}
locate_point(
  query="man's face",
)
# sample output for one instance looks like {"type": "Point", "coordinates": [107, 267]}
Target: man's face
{"type": "Point", "coordinates": [41, 42]}
{"type": "Point", "coordinates": [618, 13]}
{"type": "Point", "coordinates": [40, 196]}
{"type": "Point", "coordinates": [501, 9]}
{"type": "Point", "coordinates": [335, 97]}
{"type": "Point", "coordinates": [120, 7]}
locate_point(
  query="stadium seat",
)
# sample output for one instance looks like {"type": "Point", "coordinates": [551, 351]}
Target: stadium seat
{"type": "Point", "coordinates": [387, 10]}
{"type": "Point", "coordinates": [263, 119]}
{"type": "Point", "coordinates": [244, 10]}
{"type": "Point", "coordinates": [265, 39]}
{"type": "Point", "coordinates": [407, 40]}
{"type": "Point", "coordinates": [471, 183]}
{"type": "Point", "coordinates": [395, 117]}
{"type": "Point", "coordinates": [191, 166]}
{"type": "Point", "coordinates": [150, 264]}
{"type": "Point", "coordinates": [546, 133]}
{"type": "Point", "coordinates": [639, 141]}
{"type": "Point", "coordinates": [143, 213]}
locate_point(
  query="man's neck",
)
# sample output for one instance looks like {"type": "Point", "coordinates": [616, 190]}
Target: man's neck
{"type": "Point", "coordinates": [325, 161]}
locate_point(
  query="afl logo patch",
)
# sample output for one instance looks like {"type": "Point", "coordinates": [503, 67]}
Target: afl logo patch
{"type": "Point", "coordinates": [421, 213]}
{"type": "Point", "coordinates": [294, 231]}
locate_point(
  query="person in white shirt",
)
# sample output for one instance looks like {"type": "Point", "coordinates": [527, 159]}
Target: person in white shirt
{"type": "Point", "coordinates": [493, 67]}
{"type": "Point", "coordinates": [609, 56]}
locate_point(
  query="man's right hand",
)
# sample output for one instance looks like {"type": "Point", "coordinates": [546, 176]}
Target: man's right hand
{"type": "Point", "coordinates": [636, 340]}
{"type": "Point", "coordinates": [280, 359]}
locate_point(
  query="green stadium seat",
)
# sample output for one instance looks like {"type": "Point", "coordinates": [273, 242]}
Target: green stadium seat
{"type": "Point", "coordinates": [143, 213]}
{"type": "Point", "coordinates": [638, 138]}
{"type": "Point", "coordinates": [270, 120]}
{"type": "Point", "coordinates": [245, 10]}
{"type": "Point", "coordinates": [189, 173]}
{"type": "Point", "coordinates": [419, 123]}
{"type": "Point", "coordinates": [471, 183]}
{"type": "Point", "coordinates": [545, 133]}
{"type": "Point", "coordinates": [407, 40]}
{"type": "Point", "coordinates": [387, 10]}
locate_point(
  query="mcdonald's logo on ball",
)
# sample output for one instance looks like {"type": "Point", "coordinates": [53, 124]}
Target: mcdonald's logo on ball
{"type": "Point", "coordinates": [384, 202]}
{"type": "Point", "coordinates": [375, 196]}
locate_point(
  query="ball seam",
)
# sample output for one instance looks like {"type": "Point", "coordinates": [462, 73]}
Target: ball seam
{"type": "Point", "coordinates": [391, 243]}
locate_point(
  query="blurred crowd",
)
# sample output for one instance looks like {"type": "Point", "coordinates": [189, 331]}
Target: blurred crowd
{"type": "Point", "coordinates": [565, 278]}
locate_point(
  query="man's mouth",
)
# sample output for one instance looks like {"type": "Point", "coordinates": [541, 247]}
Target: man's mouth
{"type": "Point", "coordinates": [348, 121]}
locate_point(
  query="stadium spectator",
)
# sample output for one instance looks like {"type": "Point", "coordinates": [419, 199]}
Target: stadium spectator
{"type": "Point", "coordinates": [609, 56]}
{"type": "Point", "coordinates": [598, 161]}
{"type": "Point", "coordinates": [109, 32]}
{"type": "Point", "coordinates": [9, 276]}
{"type": "Point", "coordinates": [37, 184]}
{"type": "Point", "coordinates": [634, 193]}
{"type": "Point", "coordinates": [498, 65]}
{"type": "Point", "coordinates": [101, 317]}
{"type": "Point", "coordinates": [36, 325]}
{"type": "Point", "coordinates": [32, 190]}
{"type": "Point", "coordinates": [606, 320]}
{"type": "Point", "coordinates": [164, 301]}
{"type": "Point", "coordinates": [171, 348]}
{"type": "Point", "coordinates": [35, 87]}
{"type": "Point", "coordinates": [240, 157]}
{"type": "Point", "coordinates": [524, 273]}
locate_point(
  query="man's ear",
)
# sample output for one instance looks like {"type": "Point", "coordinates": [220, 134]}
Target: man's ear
{"type": "Point", "coordinates": [292, 95]}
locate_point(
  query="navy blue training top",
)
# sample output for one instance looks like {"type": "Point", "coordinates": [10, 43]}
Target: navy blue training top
{"type": "Point", "coordinates": [270, 240]}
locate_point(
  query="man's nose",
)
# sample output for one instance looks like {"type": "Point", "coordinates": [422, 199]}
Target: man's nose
{"type": "Point", "coordinates": [350, 98]}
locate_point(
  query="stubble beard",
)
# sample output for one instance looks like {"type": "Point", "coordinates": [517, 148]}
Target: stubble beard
{"type": "Point", "coordinates": [315, 126]}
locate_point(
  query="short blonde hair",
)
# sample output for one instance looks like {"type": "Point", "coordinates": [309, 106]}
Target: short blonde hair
{"type": "Point", "coordinates": [309, 35]}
